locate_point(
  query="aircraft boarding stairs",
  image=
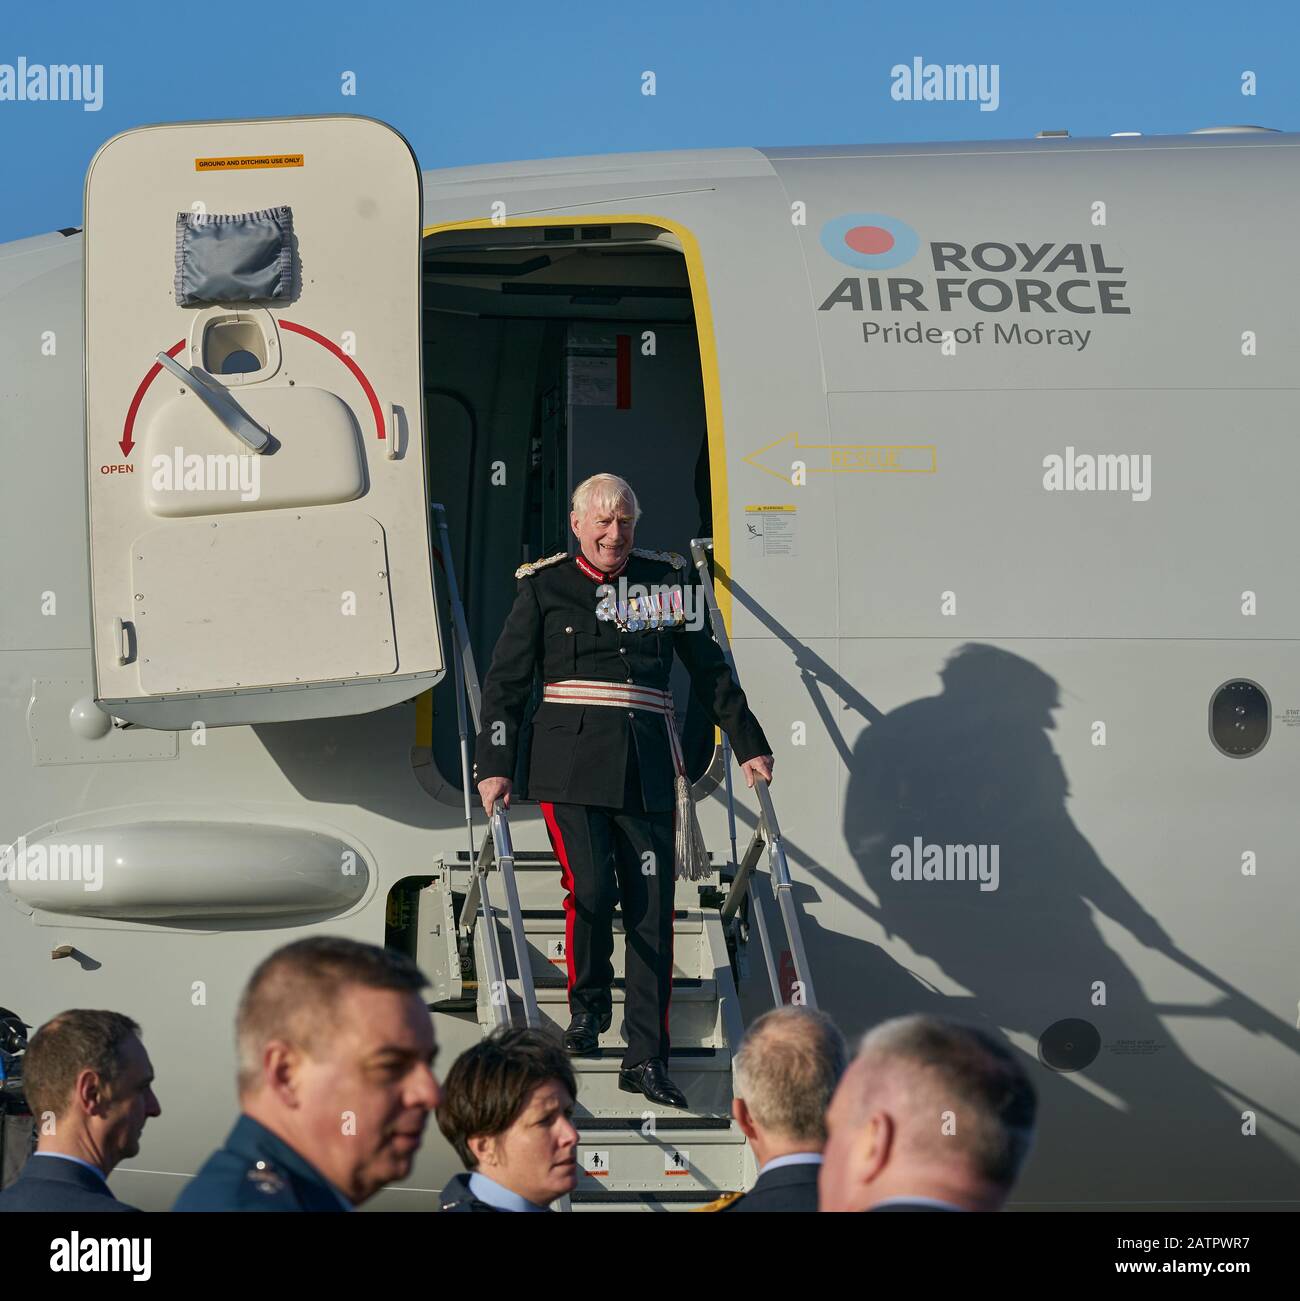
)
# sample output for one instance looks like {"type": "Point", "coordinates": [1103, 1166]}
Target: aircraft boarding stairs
{"type": "Point", "coordinates": [632, 1153]}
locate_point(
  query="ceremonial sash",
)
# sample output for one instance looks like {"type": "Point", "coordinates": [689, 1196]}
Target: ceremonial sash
{"type": "Point", "coordinates": [690, 858]}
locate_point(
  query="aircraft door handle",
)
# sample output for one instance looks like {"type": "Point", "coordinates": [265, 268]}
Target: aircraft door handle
{"type": "Point", "coordinates": [121, 641]}
{"type": "Point", "coordinates": [220, 402]}
{"type": "Point", "coordinates": [394, 431]}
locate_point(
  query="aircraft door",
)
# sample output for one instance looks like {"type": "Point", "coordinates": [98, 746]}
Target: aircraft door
{"type": "Point", "coordinates": [259, 514]}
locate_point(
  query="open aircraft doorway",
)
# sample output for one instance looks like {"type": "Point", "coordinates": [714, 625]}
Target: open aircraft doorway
{"type": "Point", "coordinates": [552, 352]}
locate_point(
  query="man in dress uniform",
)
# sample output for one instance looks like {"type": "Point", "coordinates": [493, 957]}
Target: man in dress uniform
{"type": "Point", "coordinates": [606, 765]}
{"type": "Point", "coordinates": [889, 1144]}
{"type": "Point", "coordinates": [335, 1081]}
{"type": "Point", "coordinates": [90, 1072]}
{"type": "Point", "coordinates": [785, 1071]}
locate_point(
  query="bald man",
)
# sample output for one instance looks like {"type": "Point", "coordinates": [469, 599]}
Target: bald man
{"type": "Point", "coordinates": [784, 1074]}
{"type": "Point", "coordinates": [930, 1116]}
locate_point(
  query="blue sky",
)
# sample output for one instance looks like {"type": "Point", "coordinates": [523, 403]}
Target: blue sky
{"type": "Point", "coordinates": [491, 82]}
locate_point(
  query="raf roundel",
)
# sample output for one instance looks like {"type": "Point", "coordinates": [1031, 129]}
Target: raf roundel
{"type": "Point", "coordinates": [870, 241]}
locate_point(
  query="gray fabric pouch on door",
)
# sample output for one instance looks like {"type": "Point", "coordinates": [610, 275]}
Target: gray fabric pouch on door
{"type": "Point", "coordinates": [233, 257]}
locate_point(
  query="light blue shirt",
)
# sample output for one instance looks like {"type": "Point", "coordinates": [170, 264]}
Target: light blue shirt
{"type": "Point", "coordinates": [791, 1158]}
{"type": "Point", "coordinates": [63, 1156]}
{"type": "Point", "coordinates": [488, 1190]}
{"type": "Point", "coordinates": [924, 1201]}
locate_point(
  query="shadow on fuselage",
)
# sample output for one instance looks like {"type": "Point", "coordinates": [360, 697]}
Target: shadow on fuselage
{"type": "Point", "coordinates": [972, 770]}
{"type": "Point", "coordinates": [1132, 1118]}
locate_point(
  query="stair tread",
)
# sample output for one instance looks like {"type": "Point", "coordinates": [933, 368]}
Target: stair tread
{"type": "Point", "coordinates": [685, 989]}
{"type": "Point", "coordinates": [715, 1131]}
{"type": "Point", "coordinates": [685, 1060]}
{"type": "Point", "coordinates": [701, 1195]}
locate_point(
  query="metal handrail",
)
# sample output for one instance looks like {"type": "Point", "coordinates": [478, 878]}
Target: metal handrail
{"type": "Point", "coordinates": [497, 849]}
{"type": "Point", "coordinates": [768, 830]}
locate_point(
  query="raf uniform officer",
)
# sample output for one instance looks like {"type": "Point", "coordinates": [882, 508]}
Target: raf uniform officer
{"type": "Point", "coordinates": [606, 764]}
{"type": "Point", "coordinates": [90, 1072]}
{"type": "Point", "coordinates": [326, 1027]}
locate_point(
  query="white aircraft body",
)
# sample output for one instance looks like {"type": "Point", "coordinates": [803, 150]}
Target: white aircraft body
{"type": "Point", "coordinates": [995, 445]}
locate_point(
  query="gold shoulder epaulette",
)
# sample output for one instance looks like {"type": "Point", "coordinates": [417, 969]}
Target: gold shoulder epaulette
{"type": "Point", "coordinates": [534, 565]}
{"type": "Point", "coordinates": [670, 557]}
{"type": "Point", "coordinates": [722, 1203]}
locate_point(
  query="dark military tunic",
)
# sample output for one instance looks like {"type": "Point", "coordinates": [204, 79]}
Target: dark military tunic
{"type": "Point", "coordinates": [604, 775]}
{"type": "Point", "coordinates": [580, 754]}
{"type": "Point", "coordinates": [50, 1183]}
{"type": "Point", "coordinates": [256, 1171]}
{"type": "Point", "coordinates": [786, 1188]}
{"type": "Point", "coordinates": [456, 1196]}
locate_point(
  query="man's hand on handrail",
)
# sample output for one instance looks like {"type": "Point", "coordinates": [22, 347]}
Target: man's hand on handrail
{"type": "Point", "coordinates": [759, 766]}
{"type": "Point", "coordinates": [491, 789]}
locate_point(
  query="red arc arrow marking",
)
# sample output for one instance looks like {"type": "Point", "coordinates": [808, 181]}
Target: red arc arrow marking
{"type": "Point", "coordinates": [126, 443]}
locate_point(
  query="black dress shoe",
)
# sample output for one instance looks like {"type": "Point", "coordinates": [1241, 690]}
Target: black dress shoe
{"type": "Point", "coordinates": [651, 1078]}
{"type": "Point", "coordinates": [583, 1034]}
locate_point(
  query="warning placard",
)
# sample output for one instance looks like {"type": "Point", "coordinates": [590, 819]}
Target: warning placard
{"type": "Point", "coordinates": [240, 161]}
{"type": "Point", "coordinates": [771, 528]}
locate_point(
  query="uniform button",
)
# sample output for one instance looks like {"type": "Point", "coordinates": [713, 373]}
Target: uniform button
{"type": "Point", "coordinates": [568, 630]}
{"type": "Point", "coordinates": [630, 714]}
{"type": "Point", "coordinates": [622, 650]}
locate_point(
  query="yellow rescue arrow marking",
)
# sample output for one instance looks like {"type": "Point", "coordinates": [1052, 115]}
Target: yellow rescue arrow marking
{"type": "Point", "coordinates": [849, 458]}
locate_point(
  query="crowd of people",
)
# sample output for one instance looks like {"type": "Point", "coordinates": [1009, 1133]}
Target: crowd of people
{"type": "Point", "coordinates": [336, 1081]}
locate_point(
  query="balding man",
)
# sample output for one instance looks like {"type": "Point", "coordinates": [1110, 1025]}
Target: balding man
{"type": "Point", "coordinates": [603, 627]}
{"type": "Point", "coordinates": [930, 1116]}
{"type": "Point", "coordinates": [336, 1081]}
{"type": "Point", "coordinates": [89, 1083]}
{"type": "Point", "coordinates": [785, 1074]}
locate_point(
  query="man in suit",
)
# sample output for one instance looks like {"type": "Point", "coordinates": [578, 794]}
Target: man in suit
{"type": "Point", "coordinates": [931, 1116]}
{"type": "Point", "coordinates": [89, 1083]}
{"type": "Point", "coordinates": [606, 767]}
{"type": "Point", "coordinates": [784, 1074]}
{"type": "Point", "coordinates": [336, 1081]}
{"type": "Point", "coordinates": [507, 1109]}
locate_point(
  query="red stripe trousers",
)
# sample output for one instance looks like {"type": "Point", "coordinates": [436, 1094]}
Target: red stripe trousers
{"type": "Point", "coordinates": [609, 856]}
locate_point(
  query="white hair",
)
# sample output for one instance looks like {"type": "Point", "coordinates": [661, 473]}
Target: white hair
{"type": "Point", "coordinates": [604, 491]}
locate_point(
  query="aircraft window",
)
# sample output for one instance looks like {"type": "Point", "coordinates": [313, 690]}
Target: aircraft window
{"type": "Point", "coordinates": [1240, 718]}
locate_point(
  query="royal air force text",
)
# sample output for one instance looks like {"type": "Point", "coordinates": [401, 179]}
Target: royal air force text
{"type": "Point", "coordinates": [1015, 282]}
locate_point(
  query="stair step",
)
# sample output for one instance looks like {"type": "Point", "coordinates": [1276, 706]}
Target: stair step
{"type": "Point", "coordinates": [702, 1074]}
{"type": "Point", "coordinates": [710, 1129]}
{"type": "Point", "coordinates": [546, 956]}
{"type": "Point", "coordinates": [689, 1059]}
{"type": "Point", "coordinates": [692, 1023]}
{"type": "Point", "coordinates": [552, 921]}
{"type": "Point", "coordinates": [686, 989]}
{"type": "Point", "coordinates": [685, 1162]}
{"type": "Point", "coordinates": [686, 1200]}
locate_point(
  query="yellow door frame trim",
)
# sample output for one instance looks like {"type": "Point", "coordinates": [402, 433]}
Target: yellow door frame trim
{"type": "Point", "coordinates": [708, 370]}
